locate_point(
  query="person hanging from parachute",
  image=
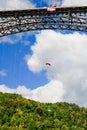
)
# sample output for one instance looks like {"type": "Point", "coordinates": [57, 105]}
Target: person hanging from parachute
{"type": "Point", "coordinates": [48, 64]}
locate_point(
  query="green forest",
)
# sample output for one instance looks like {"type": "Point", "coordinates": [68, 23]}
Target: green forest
{"type": "Point", "coordinates": [18, 113]}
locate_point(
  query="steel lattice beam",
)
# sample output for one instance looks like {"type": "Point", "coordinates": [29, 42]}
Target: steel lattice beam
{"type": "Point", "coordinates": [64, 18]}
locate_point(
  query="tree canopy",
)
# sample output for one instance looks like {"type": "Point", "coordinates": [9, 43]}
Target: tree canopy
{"type": "Point", "coordinates": [18, 113]}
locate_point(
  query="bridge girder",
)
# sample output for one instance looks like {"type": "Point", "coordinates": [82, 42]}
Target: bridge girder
{"type": "Point", "coordinates": [64, 18]}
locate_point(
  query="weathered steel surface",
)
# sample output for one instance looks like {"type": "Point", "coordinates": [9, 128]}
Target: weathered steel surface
{"type": "Point", "coordinates": [63, 18]}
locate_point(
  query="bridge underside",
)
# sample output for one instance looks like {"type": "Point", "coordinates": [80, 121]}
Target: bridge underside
{"type": "Point", "coordinates": [64, 18]}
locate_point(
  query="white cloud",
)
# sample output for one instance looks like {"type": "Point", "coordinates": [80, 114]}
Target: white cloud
{"type": "Point", "coordinates": [15, 4]}
{"type": "Point", "coordinates": [65, 2]}
{"type": "Point", "coordinates": [74, 3]}
{"type": "Point", "coordinates": [3, 73]}
{"type": "Point", "coordinates": [41, 93]}
{"type": "Point", "coordinates": [67, 74]}
{"type": "Point", "coordinates": [12, 39]}
{"type": "Point", "coordinates": [10, 5]}
{"type": "Point", "coordinates": [15, 38]}
{"type": "Point", "coordinates": [4, 88]}
{"type": "Point", "coordinates": [67, 53]}
{"type": "Point", "coordinates": [51, 92]}
{"type": "Point", "coordinates": [52, 2]}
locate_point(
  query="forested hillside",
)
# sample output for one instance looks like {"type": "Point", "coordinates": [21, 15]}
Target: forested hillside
{"type": "Point", "coordinates": [18, 113]}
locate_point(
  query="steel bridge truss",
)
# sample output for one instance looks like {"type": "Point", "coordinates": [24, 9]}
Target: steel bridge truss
{"type": "Point", "coordinates": [64, 18]}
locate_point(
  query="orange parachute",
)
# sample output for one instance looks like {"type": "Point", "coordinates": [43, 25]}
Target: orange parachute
{"type": "Point", "coordinates": [53, 8]}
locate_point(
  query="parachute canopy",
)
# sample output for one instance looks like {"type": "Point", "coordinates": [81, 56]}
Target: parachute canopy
{"type": "Point", "coordinates": [48, 64]}
{"type": "Point", "coordinates": [51, 9]}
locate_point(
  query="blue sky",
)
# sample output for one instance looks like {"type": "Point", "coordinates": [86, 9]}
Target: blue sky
{"type": "Point", "coordinates": [23, 57]}
{"type": "Point", "coordinates": [13, 63]}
